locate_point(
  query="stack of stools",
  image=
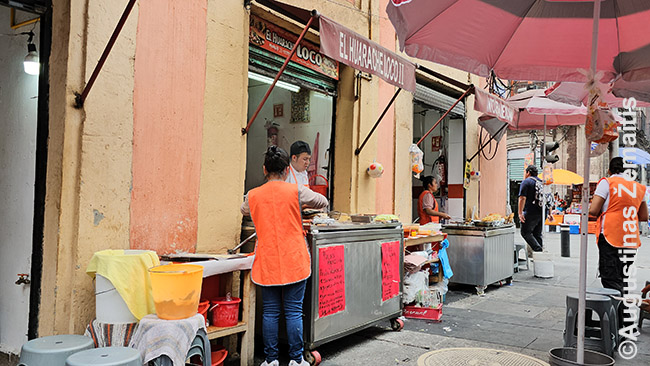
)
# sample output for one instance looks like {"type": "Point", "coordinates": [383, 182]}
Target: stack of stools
{"type": "Point", "coordinates": [53, 350]}
{"type": "Point", "coordinates": [106, 356]}
{"type": "Point", "coordinates": [599, 336]}
{"type": "Point", "coordinates": [200, 348]}
{"type": "Point", "coordinates": [617, 304]}
{"type": "Point", "coordinates": [643, 314]}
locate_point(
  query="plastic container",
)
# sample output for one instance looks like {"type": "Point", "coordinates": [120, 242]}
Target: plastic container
{"type": "Point", "coordinates": [225, 313]}
{"type": "Point", "coordinates": [543, 265]}
{"type": "Point", "coordinates": [204, 305]}
{"type": "Point", "coordinates": [567, 357]}
{"type": "Point", "coordinates": [110, 308]}
{"type": "Point", "coordinates": [218, 356]}
{"type": "Point", "coordinates": [318, 188]}
{"type": "Point", "coordinates": [176, 289]}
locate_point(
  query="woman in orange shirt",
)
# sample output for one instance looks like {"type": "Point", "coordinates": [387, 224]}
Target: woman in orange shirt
{"type": "Point", "coordinates": [427, 204]}
{"type": "Point", "coordinates": [282, 262]}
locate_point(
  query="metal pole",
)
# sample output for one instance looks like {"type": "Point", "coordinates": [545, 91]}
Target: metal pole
{"type": "Point", "coordinates": [358, 150]}
{"type": "Point", "coordinates": [582, 284]}
{"type": "Point", "coordinates": [487, 142]}
{"type": "Point", "coordinates": [314, 15]}
{"type": "Point", "coordinates": [471, 88]}
{"type": "Point", "coordinates": [81, 98]}
{"type": "Point", "coordinates": [542, 163]}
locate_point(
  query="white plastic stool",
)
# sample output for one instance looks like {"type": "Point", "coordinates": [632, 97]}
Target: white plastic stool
{"type": "Point", "coordinates": [518, 248]}
{"type": "Point", "coordinates": [106, 356]}
{"type": "Point", "coordinates": [52, 350]}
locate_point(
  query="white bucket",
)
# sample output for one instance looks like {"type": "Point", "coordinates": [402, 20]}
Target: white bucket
{"type": "Point", "coordinates": [110, 308]}
{"type": "Point", "coordinates": [543, 265]}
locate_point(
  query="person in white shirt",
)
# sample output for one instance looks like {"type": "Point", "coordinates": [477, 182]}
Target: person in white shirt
{"type": "Point", "coordinates": [300, 159]}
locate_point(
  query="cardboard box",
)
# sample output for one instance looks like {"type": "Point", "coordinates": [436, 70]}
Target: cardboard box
{"type": "Point", "coordinates": [415, 312]}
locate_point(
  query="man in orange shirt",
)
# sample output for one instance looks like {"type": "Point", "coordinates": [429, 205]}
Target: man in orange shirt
{"type": "Point", "coordinates": [620, 206]}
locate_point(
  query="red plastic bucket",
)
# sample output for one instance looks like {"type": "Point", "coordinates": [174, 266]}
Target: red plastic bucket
{"type": "Point", "coordinates": [204, 305]}
{"type": "Point", "coordinates": [218, 356]}
{"type": "Point", "coordinates": [225, 313]}
{"type": "Point", "coordinates": [318, 188]}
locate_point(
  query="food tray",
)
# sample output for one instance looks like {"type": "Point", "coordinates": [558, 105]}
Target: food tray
{"type": "Point", "coordinates": [489, 223]}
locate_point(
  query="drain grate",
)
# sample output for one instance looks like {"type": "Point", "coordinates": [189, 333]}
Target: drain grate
{"type": "Point", "coordinates": [477, 357]}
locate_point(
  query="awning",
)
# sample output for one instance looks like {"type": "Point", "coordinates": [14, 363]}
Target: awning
{"type": "Point", "coordinates": [634, 155]}
{"type": "Point", "coordinates": [350, 48]}
{"type": "Point", "coordinates": [357, 51]}
{"type": "Point", "coordinates": [347, 47]}
{"type": "Point", "coordinates": [493, 106]}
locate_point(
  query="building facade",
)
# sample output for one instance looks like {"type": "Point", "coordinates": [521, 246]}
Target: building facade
{"type": "Point", "coordinates": [156, 159]}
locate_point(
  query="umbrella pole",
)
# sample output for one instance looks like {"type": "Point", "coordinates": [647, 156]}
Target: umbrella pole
{"type": "Point", "coordinates": [584, 208]}
{"type": "Point", "coordinates": [542, 163]}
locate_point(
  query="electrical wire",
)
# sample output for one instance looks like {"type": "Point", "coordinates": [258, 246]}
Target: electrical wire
{"type": "Point", "coordinates": [480, 144]}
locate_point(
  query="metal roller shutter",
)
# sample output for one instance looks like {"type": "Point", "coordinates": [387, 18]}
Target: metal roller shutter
{"type": "Point", "coordinates": [439, 100]}
{"type": "Point", "coordinates": [516, 169]}
{"type": "Point", "coordinates": [267, 63]}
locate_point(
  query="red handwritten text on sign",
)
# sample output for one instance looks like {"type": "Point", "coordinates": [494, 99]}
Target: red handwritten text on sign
{"type": "Point", "coordinates": [390, 270]}
{"type": "Point", "coordinates": [331, 280]}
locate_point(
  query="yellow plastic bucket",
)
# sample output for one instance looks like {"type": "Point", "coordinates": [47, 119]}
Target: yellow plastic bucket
{"type": "Point", "coordinates": [176, 289]}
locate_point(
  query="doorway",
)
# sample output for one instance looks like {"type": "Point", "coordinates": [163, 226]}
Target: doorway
{"type": "Point", "coordinates": [24, 52]}
{"type": "Point", "coordinates": [293, 112]}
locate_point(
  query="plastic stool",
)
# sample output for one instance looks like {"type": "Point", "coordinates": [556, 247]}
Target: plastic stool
{"type": "Point", "coordinates": [609, 292]}
{"type": "Point", "coordinates": [200, 347]}
{"type": "Point", "coordinates": [643, 314]}
{"type": "Point", "coordinates": [518, 248]}
{"type": "Point", "coordinates": [53, 350]}
{"type": "Point", "coordinates": [106, 356]}
{"type": "Point", "coordinates": [601, 338]}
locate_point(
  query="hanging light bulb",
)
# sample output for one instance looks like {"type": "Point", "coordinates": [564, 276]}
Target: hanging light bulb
{"type": "Point", "coordinates": [31, 63]}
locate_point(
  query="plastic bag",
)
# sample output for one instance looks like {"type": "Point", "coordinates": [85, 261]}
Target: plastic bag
{"type": "Point", "coordinates": [417, 166]}
{"type": "Point", "coordinates": [442, 287]}
{"type": "Point", "coordinates": [414, 284]}
{"type": "Point", "coordinates": [597, 149]}
{"type": "Point", "coordinates": [610, 127]}
{"type": "Point", "coordinates": [547, 174]}
{"type": "Point", "coordinates": [594, 126]}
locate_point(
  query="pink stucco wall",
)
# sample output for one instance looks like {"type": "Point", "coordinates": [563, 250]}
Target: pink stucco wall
{"type": "Point", "coordinates": [492, 190]}
{"type": "Point", "coordinates": [167, 127]}
{"type": "Point", "coordinates": [384, 200]}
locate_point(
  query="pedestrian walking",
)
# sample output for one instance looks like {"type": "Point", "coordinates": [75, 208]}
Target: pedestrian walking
{"type": "Point", "coordinates": [531, 199]}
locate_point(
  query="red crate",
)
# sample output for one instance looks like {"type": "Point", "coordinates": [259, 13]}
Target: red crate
{"type": "Point", "coordinates": [415, 312]}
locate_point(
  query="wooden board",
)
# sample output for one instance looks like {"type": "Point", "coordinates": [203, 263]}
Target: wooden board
{"type": "Point", "coordinates": [423, 240]}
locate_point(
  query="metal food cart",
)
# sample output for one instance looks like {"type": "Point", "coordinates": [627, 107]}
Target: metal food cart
{"type": "Point", "coordinates": [480, 256]}
{"type": "Point", "coordinates": [363, 282]}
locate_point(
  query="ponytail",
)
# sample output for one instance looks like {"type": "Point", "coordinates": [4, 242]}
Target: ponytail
{"type": "Point", "coordinates": [276, 160]}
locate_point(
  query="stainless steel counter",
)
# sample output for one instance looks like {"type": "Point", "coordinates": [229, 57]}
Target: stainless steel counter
{"type": "Point", "coordinates": [363, 280]}
{"type": "Point", "coordinates": [480, 256]}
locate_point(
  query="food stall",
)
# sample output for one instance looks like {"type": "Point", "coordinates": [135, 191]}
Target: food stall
{"type": "Point", "coordinates": [356, 279]}
{"type": "Point", "coordinates": [480, 252]}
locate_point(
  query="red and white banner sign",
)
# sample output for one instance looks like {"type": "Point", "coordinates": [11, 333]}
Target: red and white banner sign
{"type": "Point", "coordinates": [279, 41]}
{"type": "Point", "coordinates": [494, 106]}
{"type": "Point", "coordinates": [352, 49]}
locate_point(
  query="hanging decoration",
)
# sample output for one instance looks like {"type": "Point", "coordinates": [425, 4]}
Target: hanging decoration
{"type": "Point", "coordinates": [375, 170]}
{"type": "Point", "coordinates": [417, 166]}
{"type": "Point", "coordinates": [467, 175]}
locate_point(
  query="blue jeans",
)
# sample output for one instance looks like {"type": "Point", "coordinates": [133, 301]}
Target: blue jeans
{"type": "Point", "coordinates": [273, 298]}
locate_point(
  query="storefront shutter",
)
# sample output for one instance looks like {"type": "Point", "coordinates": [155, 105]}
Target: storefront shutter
{"type": "Point", "coordinates": [267, 63]}
{"type": "Point", "coordinates": [439, 100]}
{"type": "Point", "coordinates": [516, 169]}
